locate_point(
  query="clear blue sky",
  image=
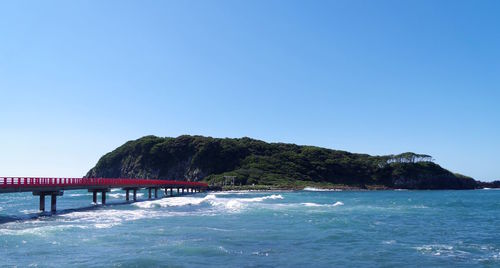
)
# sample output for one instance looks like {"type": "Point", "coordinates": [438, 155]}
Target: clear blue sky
{"type": "Point", "coordinates": [79, 78]}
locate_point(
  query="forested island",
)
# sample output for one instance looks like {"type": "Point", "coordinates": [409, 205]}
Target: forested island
{"type": "Point", "coordinates": [249, 163]}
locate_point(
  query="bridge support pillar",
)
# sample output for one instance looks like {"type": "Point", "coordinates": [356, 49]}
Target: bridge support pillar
{"type": "Point", "coordinates": [53, 203]}
{"type": "Point", "coordinates": [94, 197]}
{"type": "Point", "coordinates": [149, 193]}
{"type": "Point", "coordinates": [182, 190]}
{"type": "Point", "coordinates": [135, 195]}
{"type": "Point", "coordinates": [103, 197]}
{"type": "Point", "coordinates": [42, 202]}
{"type": "Point", "coordinates": [171, 191]}
{"type": "Point", "coordinates": [127, 195]}
{"type": "Point", "coordinates": [166, 191]}
{"type": "Point", "coordinates": [53, 200]}
{"type": "Point", "coordinates": [177, 191]}
{"type": "Point", "coordinates": [156, 193]}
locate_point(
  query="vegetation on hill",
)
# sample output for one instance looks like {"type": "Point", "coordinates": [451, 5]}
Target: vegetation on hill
{"type": "Point", "coordinates": [246, 161]}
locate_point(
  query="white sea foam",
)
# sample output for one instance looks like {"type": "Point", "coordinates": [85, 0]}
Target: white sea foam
{"type": "Point", "coordinates": [105, 218]}
{"type": "Point", "coordinates": [240, 192]}
{"type": "Point", "coordinates": [29, 211]}
{"type": "Point", "coordinates": [438, 250]}
{"type": "Point", "coordinates": [338, 203]}
{"type": "Point", "coordinates": [312, 189]}
{"type": "Point", "coordinates": [312, 205]}
{"type": "Point", "coordinates": [76, 195]}
{"type": "Point", "coordinates": [108, 217]}
{"type": "Point", "coordinates": [229, 204]}
{"type": "Point", "coordinates": [41, 230]}
{"type": "Point", "coordinates": [122, 195]}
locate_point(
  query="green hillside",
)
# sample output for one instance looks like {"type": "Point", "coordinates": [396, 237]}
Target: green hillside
{"type": "Point", "coordinates": [254, 162]}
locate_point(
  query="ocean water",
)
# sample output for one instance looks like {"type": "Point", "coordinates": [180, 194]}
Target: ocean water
{"type": "Point", "coordinates": [256, 229]}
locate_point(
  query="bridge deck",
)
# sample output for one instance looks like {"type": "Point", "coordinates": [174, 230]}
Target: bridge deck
{"type": "Point", "coordinates": [21, 184]}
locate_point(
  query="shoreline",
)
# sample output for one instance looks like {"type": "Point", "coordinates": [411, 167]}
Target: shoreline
{"type": "Point", "coordinates": [270, 188]}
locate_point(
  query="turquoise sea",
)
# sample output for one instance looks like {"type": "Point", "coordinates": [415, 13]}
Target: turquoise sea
{"type": "Point", "coordinates": [256, 229]}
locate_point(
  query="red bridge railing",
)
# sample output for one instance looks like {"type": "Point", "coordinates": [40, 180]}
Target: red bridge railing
{"type": "Point", "coordinates": [20, 182]}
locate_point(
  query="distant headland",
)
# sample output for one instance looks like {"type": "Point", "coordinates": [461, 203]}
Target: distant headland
{"type": "Point", "coordinates": [246, 163]}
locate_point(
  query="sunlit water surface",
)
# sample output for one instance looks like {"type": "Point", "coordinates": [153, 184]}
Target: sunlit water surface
{"type": "Point", "coordinates": [256, 229]}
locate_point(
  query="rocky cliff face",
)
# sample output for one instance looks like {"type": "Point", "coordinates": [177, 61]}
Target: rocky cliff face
{"type": "Point", "coordinates": [195, 158]}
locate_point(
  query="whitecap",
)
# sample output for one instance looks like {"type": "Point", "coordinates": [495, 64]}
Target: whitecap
{"type": "Point", "coordinates": [29, 211]}
{"type": "Point", "coordinates": [41, 231]}
{"type": "Point", "coordinates": [106, 218]}
{"type": "Point", "coordinates": [311, 204]}
{"type": "Point", "coordinates": [227, 204]}
{"type": "Point", "coordinates": [122, 195]}
{"type": "Point", "coordinates": [338, 203]}
{"type": "Point", "coordinates": [439, 250]}
{"type": "Point", "coordinates": [77, 195]}
{"type": "Point", "coordinates": [312, 189]}
{"type": "Point", "coordinates": [118, 195]}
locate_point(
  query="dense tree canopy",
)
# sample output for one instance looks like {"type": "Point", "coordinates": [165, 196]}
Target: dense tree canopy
{"type": "Point", "coordinates": [255, 162]}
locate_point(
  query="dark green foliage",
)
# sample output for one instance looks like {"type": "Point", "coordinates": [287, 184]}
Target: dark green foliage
{"type": "Point", "coordinates": [279, 164]}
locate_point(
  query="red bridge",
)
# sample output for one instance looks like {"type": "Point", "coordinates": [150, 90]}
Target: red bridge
{"type": "Point", "coordinates": [56, 186]}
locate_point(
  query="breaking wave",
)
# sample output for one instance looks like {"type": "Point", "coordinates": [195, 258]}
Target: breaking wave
{"type": "Point", "coordinates": [229, 204]}
{"type": "Point", "coordinates": [336, 204]}
{"type": "Point", "coordinates": [312, 189]}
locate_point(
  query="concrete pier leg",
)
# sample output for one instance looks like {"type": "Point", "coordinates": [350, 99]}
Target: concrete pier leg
{"type": "Point", "coordinates": [135, 195]}
{"type": "Point", "coordinates": [94, 197]}
{"type": "Point", "coordinates": [156, 192]}
{"type": "Point", "coordinates": [42, 202]}
{"type": "Point", "coordinates": [166, 191]}
{"type": "Point", "coordinates": [149, 193]}
{"type": "Point", "coordinates": [103, 197]}
{"type": "Point", "coordinates": [177, 191]}
{"type": "Point", "coordinates": [127, 195]}
{"type": "Point", "coordinates": [53, 203]}
{"type": "Point", "coordinates": [171, 191]}
{"type": "Point", "coordinates": [182, 190]}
